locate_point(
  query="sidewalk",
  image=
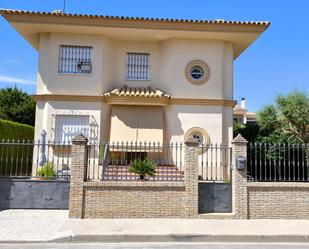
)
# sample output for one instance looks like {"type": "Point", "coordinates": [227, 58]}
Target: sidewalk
{"type": "Point", "coordinates": [19, 226]}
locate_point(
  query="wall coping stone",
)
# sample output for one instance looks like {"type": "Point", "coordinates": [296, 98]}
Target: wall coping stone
{"type": "Point", "coordinates": [277, 185]}
{"type": "Point", "coordinates": [79, 138]}
{"type": "Point", "coordinates": [239, 139]}
{"type": "Point", "coordinates": [137, 184]}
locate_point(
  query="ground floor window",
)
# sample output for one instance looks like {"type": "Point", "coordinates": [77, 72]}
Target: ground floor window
{"type": "Point", "coordinates": [68, 126]}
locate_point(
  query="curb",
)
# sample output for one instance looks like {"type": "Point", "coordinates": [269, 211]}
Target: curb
{"type": "Point", "coordinates": [123, 238]}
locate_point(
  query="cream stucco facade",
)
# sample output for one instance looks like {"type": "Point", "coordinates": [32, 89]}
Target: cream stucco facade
{"type": "Point", "coordinates": [170, 45]}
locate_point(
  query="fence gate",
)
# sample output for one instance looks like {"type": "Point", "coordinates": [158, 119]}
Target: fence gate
{"type": "Point", "coordinates": [214, 187]}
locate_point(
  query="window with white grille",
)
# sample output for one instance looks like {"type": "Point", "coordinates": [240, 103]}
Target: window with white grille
{"type": "Point", "coordinates": [138, 66]}
{"type": "Point", "coordinates": [68, 126]}
{"type": "Point", "coordinates": [75, 59]}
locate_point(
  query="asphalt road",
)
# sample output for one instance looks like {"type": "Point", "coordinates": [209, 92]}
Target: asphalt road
{"type": "Point", "coordinates": [156, 246]}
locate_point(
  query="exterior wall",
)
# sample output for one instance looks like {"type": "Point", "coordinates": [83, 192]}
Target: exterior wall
{"type": "Point", "coordinates": [168, 61]}
{"type": "Point", "coordinates": [177, 53]}
{"type": "Point", "coordinates": [46, 111]}
{"type": "Point", "coordinates": [34, 194]}
{"type": "Point", "coordinates": [50, 81]}
{"type": "Point", "coordinates": [180, 118]}
{"type": "Point", "coordinates": [284, 200]}
{"type": "Point", "coordinates": [266, 200]}
{"type": "Point", "coordinates": [134, 200]}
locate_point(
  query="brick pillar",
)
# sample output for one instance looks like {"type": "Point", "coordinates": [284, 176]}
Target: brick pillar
{"type": "Point", "coordinates": [78, 176]}
{"type": "Point", "coordinates": [191, 179]}
{"type": "Point", "coordinates": [239, 179]}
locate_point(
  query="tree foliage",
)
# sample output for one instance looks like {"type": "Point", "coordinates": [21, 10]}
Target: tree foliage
{"type": "Point", "coordinates": [284, 121]}
{"type": "Point", "coordinates": [17, 106]}
{"type": "Point", "coordinates": [250, 131]}
{"type": "Point", "coordinates": [287, 120]}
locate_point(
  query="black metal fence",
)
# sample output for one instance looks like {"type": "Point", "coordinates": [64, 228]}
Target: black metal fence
{"type": "Point", "coordinates": [278, 162]}
{"type": "Point", "coordinates": [34, 159]}
{"type": "Point", "coordinates": [107, 161]}
{"type": "Point", "coordinates": [215, 163]}
{"type": "Point", "coordinates": [113, 161]}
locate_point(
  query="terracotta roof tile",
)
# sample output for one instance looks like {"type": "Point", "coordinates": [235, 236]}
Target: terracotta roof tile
{"type": "Point", "coordinates": [216, 21]}
{"type": "Point", "coordinates": [146, 92]}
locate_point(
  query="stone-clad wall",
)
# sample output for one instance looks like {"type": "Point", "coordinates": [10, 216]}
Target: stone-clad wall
{"type": "Point", "coordinates": [284, 200]}
{"type": "Point", "coordinates": [134, 200]}
{"type": "Point", "coordinates": [150, 199]}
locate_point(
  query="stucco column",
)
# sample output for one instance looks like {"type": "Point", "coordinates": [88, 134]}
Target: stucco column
{"type": "Point", "coordinates": [191, 179]}
{"type": "Point", "coordinates": [239, 179]}
{"type": "Point", "coordinates": [78, 176]}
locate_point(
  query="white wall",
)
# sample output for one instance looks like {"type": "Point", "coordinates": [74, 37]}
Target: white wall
{"type": "Point", "coordinates": [180, 118]}
{"type": "Point", "coordinates": [168, 61]}
{"type": "Point", "coordinates": [46, 111]}
{"type": "Point", "coordinates": [167, 64]}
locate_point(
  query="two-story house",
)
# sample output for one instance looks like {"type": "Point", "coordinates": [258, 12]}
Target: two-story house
{"type": "Point", "coordinates": [134, 79]}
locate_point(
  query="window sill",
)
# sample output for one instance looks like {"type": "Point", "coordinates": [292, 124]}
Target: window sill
{"type": "Point", "coordinates": [137, 79]}
{"type": "Point", "coordinates": [76, 74]}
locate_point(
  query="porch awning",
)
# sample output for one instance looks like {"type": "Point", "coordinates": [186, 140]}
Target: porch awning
{"type": "Point", "coordinates": [137, 96]}
{"type": "Point", "coordinates": [137, 126]}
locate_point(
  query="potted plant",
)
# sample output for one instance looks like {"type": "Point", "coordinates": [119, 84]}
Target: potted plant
{"type": "Point", "coordinates": [143, 167]}
{"type": "Point", "coordinates": [46, 171]}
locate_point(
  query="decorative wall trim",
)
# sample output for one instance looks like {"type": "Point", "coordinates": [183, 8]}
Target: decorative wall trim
{"type": "Point", "coordinates": [59, 97]}
{"type": "Point", "coordinates": [135, 101]}
{"type": "Point", "coordinates": [214, 102]}
{"type": "Point", "coordinates": [206, 137]}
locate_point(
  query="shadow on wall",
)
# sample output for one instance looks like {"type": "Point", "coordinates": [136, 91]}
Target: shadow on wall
{"type": "Point", "coordinates": [179, 119]}
{"type": "Point", "coordinates": [82, 109]}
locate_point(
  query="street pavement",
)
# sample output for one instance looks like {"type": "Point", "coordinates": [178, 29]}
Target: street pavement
{"type": "Point", "coordinates": [156, 246]}
{"type": "Point", "coordinates": [41, 226]}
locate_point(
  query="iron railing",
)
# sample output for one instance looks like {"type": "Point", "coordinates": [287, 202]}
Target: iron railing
{"type": "Point", "coordinates": [278, 162]}
{"type": "Point", "coordinates": [215, 163]}
{"type": "Point", "coordinates": [35, 159]}
{"type": "Point", "coordinates": [112, 161]}
{"type": "Point", "coordinates": [108, 161]}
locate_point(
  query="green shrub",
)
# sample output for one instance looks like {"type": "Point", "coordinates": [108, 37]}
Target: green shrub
{"type": "Point", "coordinates": [47, 170]}
{"type": "Point", "coordinates": [16, 158]}
{"type": "Point", "coordinates": [12, 130]}
{"type": "Point", "coordinates": [143, 167]}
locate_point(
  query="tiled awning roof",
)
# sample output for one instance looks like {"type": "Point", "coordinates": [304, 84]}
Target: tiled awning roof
{"type": "Point", "coordinates": [145, 92]}
{"type": "Point", "coordinates": [216, 21]}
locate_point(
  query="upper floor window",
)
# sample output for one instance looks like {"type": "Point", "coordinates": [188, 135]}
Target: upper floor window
{"type": "Point", "coordinates": [138, 66]}
{"type": "Point", "coordinates": [75, 59]}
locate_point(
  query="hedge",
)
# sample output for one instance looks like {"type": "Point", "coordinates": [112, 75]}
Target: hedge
{"type": "Point", "coordinates": [15, 159]}
{"type": "Point", "coordinates": [12, 130]}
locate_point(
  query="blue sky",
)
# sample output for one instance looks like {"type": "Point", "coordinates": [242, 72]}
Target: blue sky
{"type": "Point", "coordinates": [277, 62]}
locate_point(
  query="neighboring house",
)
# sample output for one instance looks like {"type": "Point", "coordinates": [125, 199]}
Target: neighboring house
{"type": "Point", "coordinates": [134, 79]}
{"type": "Point", "coordinates": [241, 114]}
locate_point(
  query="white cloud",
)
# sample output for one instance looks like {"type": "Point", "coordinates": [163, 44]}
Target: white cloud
{"type": "Point", "coordinates": [13, 80]}
{"type": "Point", "coordinates": [12, 61]}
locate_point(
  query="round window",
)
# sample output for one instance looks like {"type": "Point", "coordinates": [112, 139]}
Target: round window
{"type": "Point", "coordinates": [198, 135]}
{"type": "Point", "coordinates": [197, 72]}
